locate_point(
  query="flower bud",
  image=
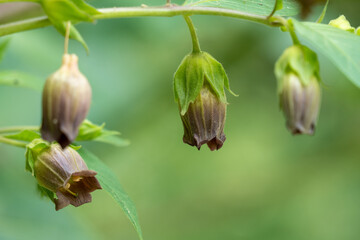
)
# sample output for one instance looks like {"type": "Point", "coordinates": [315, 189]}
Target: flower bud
{"type": "Point", "coordinates": [65, 103]}
{"type": "Point", "coordinates": [297, 72]}
{"type": "Point", "coordinates": [300, 104]}
{"type": "Point", "coordinates": [199, 87]}
{"type": "Point", "coordinates": [342, 23]}
{"type": "Point", "coordinates": [204, 121]}
{"type": "Point", "coordinates": [64, 172]}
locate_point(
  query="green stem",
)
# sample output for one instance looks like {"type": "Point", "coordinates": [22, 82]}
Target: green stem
{"type": "Point", "coordinates": [12, 142]}
{"type": "Point", "coordinates": [128, 12]}
{"type": "Point", "coordinates": [195, 40]}
{"type": "Point", "coordinates": [18, 129]}
{"type": "Point", "coordinates": [289, 26]}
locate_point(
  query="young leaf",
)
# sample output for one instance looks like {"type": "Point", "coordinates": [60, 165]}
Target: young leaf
{"type": "Point", "coordinates": [260, 7]}
{"type": "Point", "coordinates": [25, 135]}
{"type": "Point", "coordinates": [18, 79]}
{"type": "Point", "coordinates": [110, 183]}
{"type": "Point", "coordinates": [341, 47]}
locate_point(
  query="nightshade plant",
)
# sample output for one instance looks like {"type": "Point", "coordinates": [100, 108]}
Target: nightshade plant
{"type": "Point", "coordinates": [67, 173]}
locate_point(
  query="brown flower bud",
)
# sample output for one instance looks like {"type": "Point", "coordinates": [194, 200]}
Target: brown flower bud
{"type": "Point", "coordinates": [204, 121]}
{"type": "Point", "coordinates": [66, 102]}
{"type": "Point", "coordinates": [65, 173]}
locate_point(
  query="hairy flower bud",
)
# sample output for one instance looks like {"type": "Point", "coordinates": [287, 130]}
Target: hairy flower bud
{"type": "Point", "coordinates": [204, 121]}
{"type": "Point", "coordinates": [199, 87]}
{"type": "Point", "coordinates": [297, 72]}
{"type": "Point", "coordinates": [64, 173]}
{"type": "Point", "coordinates": [66, 102]}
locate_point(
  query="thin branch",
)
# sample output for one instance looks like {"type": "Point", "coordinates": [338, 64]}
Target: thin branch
{"type": "Point", "coordinates": [18, 129]}
{"type": "Point", "coordinates": [12, 142]}
{"type": "Point", "coordinates": [129, 12]}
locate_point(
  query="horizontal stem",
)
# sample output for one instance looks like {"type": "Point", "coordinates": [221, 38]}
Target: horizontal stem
{"type": "Point", "coordinates": [12, 142]}
{"type": "Point", "coordinates": [128, 12]}
{"type": "Point", "coordinates": [18, 129]}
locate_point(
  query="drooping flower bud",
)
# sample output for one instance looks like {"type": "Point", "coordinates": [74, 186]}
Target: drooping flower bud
{"type": "Point", "coordinates": [62, 172]}
{"type": "Point", "coordinates": [66, 102]}
{"type": "Point", "coordinates": [297, 72]}
{"type": "Point", "coordinates": [199, 85]}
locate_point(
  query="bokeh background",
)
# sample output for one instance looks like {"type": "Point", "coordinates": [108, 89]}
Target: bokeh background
{"type": "Point", "coordinates": [263, 184]}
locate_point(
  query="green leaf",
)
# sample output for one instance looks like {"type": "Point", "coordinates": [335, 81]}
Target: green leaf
{"type": "Point", "coordinates": [19, 79]}
{"type": "Point", "coordinates": [92, 132]}
{"type": "Point", "coordinates": [111, 184]}
{"type": "Point", "coordinates": [68, 10]}
{"type": "Point", "coordinates": [341, 47]}
{"type": "Point", "coordinates": [111, 137]}
{"type": "Point", "coordinates": [3, 46]}
{"type": "Point", "coordinates": [60, 12]}
{"type": "Point", "coordinates": [260, 7]}
{"type": "Point", "coordinates": [188, 80]}
{"type": "Point", "coordinates": [25, 135]}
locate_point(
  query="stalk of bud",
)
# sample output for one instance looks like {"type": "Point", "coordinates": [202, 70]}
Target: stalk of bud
{"type": "Point", "coordinates": [62, 172]}
{"type": "Point", "coordinates": [297, 72]}
{"type": "Point", "coordinates": [199, 85]}
{"type": "Point", "coordinates": [65, 103]}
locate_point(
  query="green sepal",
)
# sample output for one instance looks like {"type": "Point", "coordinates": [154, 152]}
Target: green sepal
{"type": "Point", "coordinates": [33, 149]}
{"type": "Point", "coordinates": [358, 31]}
{"type": "Point", "coordinates": [188, 80]}
{"type": "Point", "coordinates": [195, 70]}
{"type": "Point", "coordinates": [217, 78]}
{"type": "Point", "coordinates": [299, 60]}
{"type": "Point", "coordinates": [46, 193]}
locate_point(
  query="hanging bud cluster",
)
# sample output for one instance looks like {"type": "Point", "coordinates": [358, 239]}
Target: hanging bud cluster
{"type": "Point", "coordinates": [199, 88]}
{"type": "Point", "coordinates": [61, 172]}
{"type": "Point", "coordinates": [297, 72]}
{"type": "Point", "coordinates": [65, 103]}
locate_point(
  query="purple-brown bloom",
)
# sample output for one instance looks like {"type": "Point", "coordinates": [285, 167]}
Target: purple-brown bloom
{"type": "Point", "coordinates": [64, 172]}
{"type": "Point", "coordinates": [65, 103]}
{"type": "Point", "coordinates": [204, 121]}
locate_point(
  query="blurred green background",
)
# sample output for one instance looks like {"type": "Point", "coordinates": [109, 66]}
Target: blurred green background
{"type": "Point", "coordinates": [263, 184]}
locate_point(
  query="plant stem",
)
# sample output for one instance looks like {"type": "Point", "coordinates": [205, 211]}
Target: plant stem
{"type": "Point", "coordinates": [128, 12]}
{"type": "Point", "coordinates": [67, 35]}
{"type": "Point", "coordinates": [12, 142]}
{"type": "Point", "coordinates": [195, 40]}
{"type": "Point", "coordinates": [289, 26]}
{"type": "Point", "coordinates": [18, 129]}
